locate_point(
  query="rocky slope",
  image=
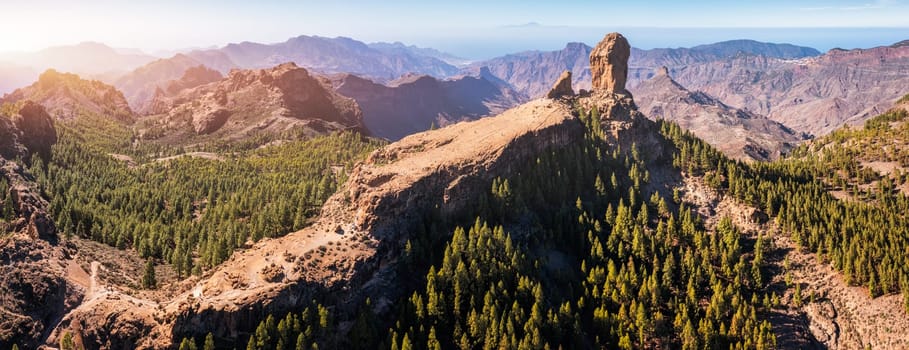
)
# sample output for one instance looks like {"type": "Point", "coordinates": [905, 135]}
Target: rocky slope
{"type": "Point", "coordinates": [737, 133]}
{"type": "Point", "coordinates": [381, 202]}
{"type": "Point", "coordinates": [192, 77]}
{"type": "Point", "coordinates": [413, 103]}
{"type": "Point", "coordinates": [247, 102]}
{"type": "Point", "coordinates": [643, 61]}
{"type": "Point", "coordinates": [533, 72]}
{"type": "Point", "coordinates": [67, 96]}
{"type": "Point", "coordinates": [33, 292]}
{"type": "Point", "coordinates": [792, 85]}
{"type": "Point", "coordinates": [353, 250]}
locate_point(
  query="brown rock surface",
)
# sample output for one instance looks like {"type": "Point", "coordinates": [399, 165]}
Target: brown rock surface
{"type": "Point", "coordinates": [33, 292]}
{"type": "Point", "coordinates": [562, 87]}
{"type": "Point", "coordinates": [248, 102]}
{"type": "Point", "coordinates": [609, 63]}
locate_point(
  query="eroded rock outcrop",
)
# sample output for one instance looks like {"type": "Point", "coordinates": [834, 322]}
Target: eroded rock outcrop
{"type": "Point", "coordinates": [562, 87]}
{"type": "Point", "coordinates": [250, 101]}
{"type": "Point", "coordinates": [609, 63]}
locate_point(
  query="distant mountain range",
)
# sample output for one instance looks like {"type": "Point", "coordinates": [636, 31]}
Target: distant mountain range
{"type": "Point", "coordinates": [404, 89]}
{"type": "Point", "coordinates": [737, 133]}
{"type": "Point", "coordinates": [414, 103]}
{"type": "Point", "coordinates": [88, 59]}
{"type": "Point", "coordinates": [796, 86]}
{"type": "Point", "coordinates": [533, 72]}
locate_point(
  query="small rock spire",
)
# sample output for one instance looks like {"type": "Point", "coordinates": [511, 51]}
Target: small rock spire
{"type": "Point", "coordinates": [562, 87]}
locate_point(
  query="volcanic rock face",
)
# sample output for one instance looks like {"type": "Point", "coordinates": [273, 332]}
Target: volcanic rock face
{"type": "Point", "coordinates": [562, 87]}
{"type": "Point", "coordinates": [195, 76]}
{"type": "Point", "coordinates": [249, 101]}
{"type": "Point", "coordinates": [609, 63]}
{"type": "Point", "coordinates": [33, 292]}
{"type": "Point", "coordinates": [139, 86]}
{"type": "Point", "coordinates": [814, 95]}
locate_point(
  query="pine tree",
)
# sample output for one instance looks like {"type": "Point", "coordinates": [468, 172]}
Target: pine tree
{"type": "Point", "coordinates": [66, 343]}
{"type": "Point", "coordinates": [209, 342]}
{"type": "Point", "coordinates": [187, 344]}
{"type": "Point", "coordinates": [148, 279]}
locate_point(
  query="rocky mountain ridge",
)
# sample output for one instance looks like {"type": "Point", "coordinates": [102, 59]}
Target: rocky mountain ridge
{"type": "Point", "coordinates": [250, 101]}
{"type": "Point", "coordinates": [67, 96]}
{"type": "Point", "coordinates": [385, 197]}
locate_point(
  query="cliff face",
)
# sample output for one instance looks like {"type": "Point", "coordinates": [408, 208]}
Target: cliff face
{"type": "Point", "coordinates": [532, 73]}
{"type": "Point", "coordinates": [609, 63]}
{"type": "Point", "coordinates": [139, 86]}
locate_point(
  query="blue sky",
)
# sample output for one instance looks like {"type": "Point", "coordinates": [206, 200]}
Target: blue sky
{"type": "Point", "coordinates": [471, 28]}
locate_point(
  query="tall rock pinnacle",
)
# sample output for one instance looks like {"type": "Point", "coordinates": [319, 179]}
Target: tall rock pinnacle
{"type": "Point", "coordinates": [609, 63]}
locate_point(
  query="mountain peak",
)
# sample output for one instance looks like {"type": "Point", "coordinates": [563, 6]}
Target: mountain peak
{"type": "Point", "coordinates": [67, 96]}
{"type": "Point", "coordinates": [279, 98]}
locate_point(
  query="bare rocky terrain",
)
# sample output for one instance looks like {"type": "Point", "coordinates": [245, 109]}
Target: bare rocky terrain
{"type": "Point", "coordinates": [249, 102]}
{"type": "Point", "coordinates": [737, 133]}
{"type": "Point", "coordinates": [814, 95]}
{"type": "Point", "coordinates": [346, 249]}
